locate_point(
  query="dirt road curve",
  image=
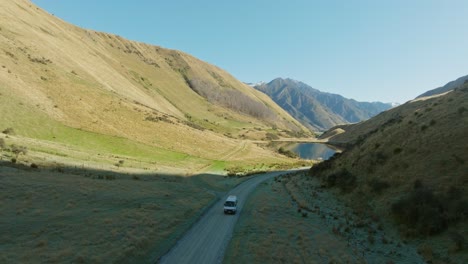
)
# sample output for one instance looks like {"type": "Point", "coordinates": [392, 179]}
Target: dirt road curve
{"type": "Point", "coordinates": [207, 240]}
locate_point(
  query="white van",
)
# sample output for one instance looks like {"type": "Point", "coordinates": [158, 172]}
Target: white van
{"type": "Point", "coordinates": [230, 205]}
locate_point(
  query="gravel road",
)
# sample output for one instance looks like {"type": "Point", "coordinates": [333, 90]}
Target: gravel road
{"type": "Point", "coordinates": [207, 240]}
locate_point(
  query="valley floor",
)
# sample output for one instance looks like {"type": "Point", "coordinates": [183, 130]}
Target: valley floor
{"type": "Point", "coordinates": [279, 226]}
{"type": "Point", "coordinates": [69, 215]}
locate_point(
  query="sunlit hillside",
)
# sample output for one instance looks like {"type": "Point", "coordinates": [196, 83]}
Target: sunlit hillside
{"type": "Point", "coordinates": [65, 88]}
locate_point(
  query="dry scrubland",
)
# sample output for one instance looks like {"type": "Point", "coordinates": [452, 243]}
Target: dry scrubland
{"type": "Point", "coordinates": [283, 222]}
{"type": "Point", "coordinates": [409, 166]}
{"type": "Point", "coordinates": [397, 194]}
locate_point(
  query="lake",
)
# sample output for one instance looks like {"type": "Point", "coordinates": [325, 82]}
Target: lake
{"type": "Point", "coordinates": [314, 151]}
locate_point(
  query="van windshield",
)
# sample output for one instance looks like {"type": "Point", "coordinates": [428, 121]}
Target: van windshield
{"type": "Point", "coordinates": [229, 203]}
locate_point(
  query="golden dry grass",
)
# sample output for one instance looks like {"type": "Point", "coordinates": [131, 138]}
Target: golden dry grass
{"type": "Point", "coordinates": [421, 143]}
{"type": "Point", "coordinates": [102, 93]}
{"type": "Point", "coordinates": [271, 230]}
{"type": "Point", "coordinates": [292, 219]}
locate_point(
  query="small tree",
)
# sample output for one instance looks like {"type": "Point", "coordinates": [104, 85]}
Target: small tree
{"type": "Point", "coordinates": [2, 143]}
{"type": "Point", "coordinates": [8, 131]}
{"type": "Point", "coordinates": [18, 150]}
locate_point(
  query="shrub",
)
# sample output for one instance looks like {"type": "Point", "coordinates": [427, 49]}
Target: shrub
{"type": "Point", "coordinates": [2, 143]}
{"type": "Point", "coordinates": [287, 153]}
{"type": "Point", "coordinates": [195, 126]}
{"type": "Point", "coordinates": [18, 150]}
{"type": "Point", "coordinates": [40, 60]}
{"type": "Point", "coordinates": [120, 163]}
{"type": "Point", "coordinates": [417, 184]}
{"type": "Point", "coordinates": [422, 211]}
{"type": "Point", "coordinates": [271, 136]}
{"type": "Point", "coordinates": [428, 213]}
{"type": "Point", "coordinates": [458, 239]}
{"type": "Point", "coordinates": [342, 179]}
{"type": "Point", "coordinates": [397, 150]}
{"type": "Point", "coordinates": [34, 166]}
{"type": "Point", "coordinates": [378, 185]}
{"type": "Point", "coordinates": [9, 131]}
{"type": "Point", "coordinates": [461, 110]}
{"type": "Point", "coordinates": [378, 158]}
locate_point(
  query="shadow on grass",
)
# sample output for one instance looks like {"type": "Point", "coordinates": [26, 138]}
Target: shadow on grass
{"type": "Point", "coordinates": [179, 200]}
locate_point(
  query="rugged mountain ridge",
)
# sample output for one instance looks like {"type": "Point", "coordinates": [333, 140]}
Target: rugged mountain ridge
{"type": "Point", "coordinates": [318, 110]}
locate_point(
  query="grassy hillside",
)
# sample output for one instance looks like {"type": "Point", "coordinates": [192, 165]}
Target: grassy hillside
{"type": "Point", "coordinates": [98, 91]}
{"type": "Point", "coordinates": [448, 87]}
{"type": "Point", "coordinates": [409, 167]}
{"type": "Point", "coordinates": [98, 136]}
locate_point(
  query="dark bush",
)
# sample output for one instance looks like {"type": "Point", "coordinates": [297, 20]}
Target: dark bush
{"type": "Point", "coordinates": [18, 150]}
{"type": "Point", "coordinates": [378, 185]}
{"type": "Point", "coordinates": [397, 150]}
{"type": "Point", "coordinates": [9, 131]}
{"type": "Point", "coordinates": [34, 166]}
{"type": "Point", "coordinates": [417, 184]}
{"type": "Point", "coordinates": [428, 213]}
{"type": "Point", "coordinates": [421, 210]}
{"type": "Point", "coordinates": [461, 110]}
{"type": "Point", "coordinates": [342, 179]}
{"type": "Point", "coordinates": [195, 126]}
{"type": "Point", "coordinates": [287, 153]}
{"type": "Point", "coordinates": [2, 143]}
{"type": "Point", "coordinates": [458, 239]}
{"type": "Point", "coordinates": [322, 167]}
{"type": "Point", "coordinates": [271, 136]}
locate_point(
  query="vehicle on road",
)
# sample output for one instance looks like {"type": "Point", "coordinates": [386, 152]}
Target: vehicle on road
{"type": "Point", "coordinates": [230, 205]}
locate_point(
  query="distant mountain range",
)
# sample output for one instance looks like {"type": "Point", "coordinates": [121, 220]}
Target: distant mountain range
{"type": "Point", "coordinates": [448, 87]}
{"type": "Point", "coordinates": [318, 110]}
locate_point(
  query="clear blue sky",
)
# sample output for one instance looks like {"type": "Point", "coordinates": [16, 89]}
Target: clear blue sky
{"type": "Point", "coordinates": [369, 50]}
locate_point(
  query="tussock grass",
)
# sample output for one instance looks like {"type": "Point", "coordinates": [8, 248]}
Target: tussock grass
{"type": "Point", "coordinates": [271, 230]}
{"type": "Point", "coordinates": [406, 162]}
{"type": "Point", "coordinates": [74, 215]}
